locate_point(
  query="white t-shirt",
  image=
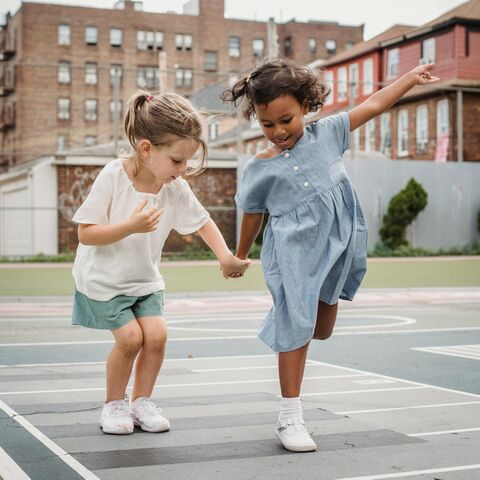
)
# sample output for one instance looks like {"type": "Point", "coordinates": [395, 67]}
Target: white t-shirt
{"type": "Point", "coordinates": [131, 265]}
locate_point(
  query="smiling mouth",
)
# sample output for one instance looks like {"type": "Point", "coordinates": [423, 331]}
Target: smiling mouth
{"type": "Point", "coordinates": [282, 141]}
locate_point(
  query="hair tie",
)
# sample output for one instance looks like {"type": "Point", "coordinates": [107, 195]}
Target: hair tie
{"type": "Point", "coordinates": [249, 76]}
{"type": "Point", "coordinates": [149, 98]}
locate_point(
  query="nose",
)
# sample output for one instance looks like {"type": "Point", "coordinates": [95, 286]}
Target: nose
{"type": "Point", "coordinates": [279, 131]}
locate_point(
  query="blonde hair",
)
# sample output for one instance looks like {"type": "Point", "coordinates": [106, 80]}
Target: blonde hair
{"type": "Point", "coordinates": [163, 119]}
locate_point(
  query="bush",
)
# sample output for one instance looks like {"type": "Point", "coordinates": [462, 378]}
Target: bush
{"type": "Point", "coordinates": [402, 210]}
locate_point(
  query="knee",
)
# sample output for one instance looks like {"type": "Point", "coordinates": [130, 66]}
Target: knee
{"type": "Point", "coordinates": [131, 343]}
{"type": "Point", "coordinates": [155, 341]}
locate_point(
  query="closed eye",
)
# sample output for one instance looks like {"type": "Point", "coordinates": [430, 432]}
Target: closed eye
{"type": "Point", "coordinates": [287, 120]}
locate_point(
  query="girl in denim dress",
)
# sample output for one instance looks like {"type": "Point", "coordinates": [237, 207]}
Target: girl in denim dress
{"type": "Point", "coordinates": [315, 241]}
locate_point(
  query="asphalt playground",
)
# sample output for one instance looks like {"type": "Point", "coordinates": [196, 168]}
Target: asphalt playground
{"type": "Point", "coordinates": [395, 393]}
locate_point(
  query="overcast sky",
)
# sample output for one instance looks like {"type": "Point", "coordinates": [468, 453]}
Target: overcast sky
{"type": "Point", "coordinates": [377, 15]}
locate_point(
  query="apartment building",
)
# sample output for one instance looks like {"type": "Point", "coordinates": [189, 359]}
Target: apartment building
{"type": "Point", "coordinates": [66, 72]}
{"type": "Point", "coordinates": [437, 122]}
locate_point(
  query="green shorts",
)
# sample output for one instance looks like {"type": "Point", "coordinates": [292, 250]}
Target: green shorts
{"type": "Point", "coordinates": [116, 312]}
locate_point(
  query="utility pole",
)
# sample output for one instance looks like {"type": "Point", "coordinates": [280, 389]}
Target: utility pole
{"type": "Point", "coordinates": [116, 101]}
{"type": "Point", "coordinates": [272, 39]}
{"type": "Point", "coordinates": [162, 71]}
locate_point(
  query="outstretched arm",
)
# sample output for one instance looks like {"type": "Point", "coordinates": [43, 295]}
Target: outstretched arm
{"type": "Point", "coordinates": [251, 225]}
{"type": "Point", "coordinates": [387, 96]}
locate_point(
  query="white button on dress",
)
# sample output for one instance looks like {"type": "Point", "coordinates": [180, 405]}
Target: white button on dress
{"type": "Point", "coordinates": [295, 167]}
{"type": "Point", "coordinates": [306, 184]}
{"type": "Point", "coordinates": [287, 155]}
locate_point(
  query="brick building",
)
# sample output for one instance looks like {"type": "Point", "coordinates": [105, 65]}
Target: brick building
{"type": "Point", "coordinates": [434, 122]}
{"type": "Point", "coordinates": [60, 64]}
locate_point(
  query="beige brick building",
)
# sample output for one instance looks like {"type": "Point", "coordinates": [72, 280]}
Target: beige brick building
{"type": "Point", "coordinates": [59, 64]}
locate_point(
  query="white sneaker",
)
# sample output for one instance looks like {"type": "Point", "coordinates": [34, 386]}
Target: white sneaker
{"type": "Point", "coordinates": [294, 436]}
{"type": "Point", "coordinates": [146, 415]}
{"type": "Point", "coordinates": [116, 418]}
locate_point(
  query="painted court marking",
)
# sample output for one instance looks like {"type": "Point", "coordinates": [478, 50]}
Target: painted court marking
{"type": "Point", "coordinates": [471, 352]}
{"type": "Point", "coordinates": [9, 469]}
{"type": "Point", "coordinates": [59, 452]}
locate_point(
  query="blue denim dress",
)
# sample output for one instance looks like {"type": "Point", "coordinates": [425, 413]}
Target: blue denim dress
{"type": "Point", "coordinates": [315, 241]}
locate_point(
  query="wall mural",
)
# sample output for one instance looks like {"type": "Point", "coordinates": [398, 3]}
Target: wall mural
{"type": "Point", "coordinates": [70, 201]}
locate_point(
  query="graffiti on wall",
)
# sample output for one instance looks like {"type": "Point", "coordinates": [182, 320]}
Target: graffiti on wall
{"type": "Point", "coordinates": [70, 201]}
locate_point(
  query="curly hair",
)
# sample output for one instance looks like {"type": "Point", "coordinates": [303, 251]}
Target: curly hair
{"type": "Point", "coordinates": [276, 78]}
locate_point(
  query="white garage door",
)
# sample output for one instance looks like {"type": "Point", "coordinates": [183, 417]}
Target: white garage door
{"type": "Point", "coordinates": [16, 222]}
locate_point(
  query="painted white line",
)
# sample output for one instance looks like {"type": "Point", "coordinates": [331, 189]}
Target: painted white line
{"type": "Point", "coordinates": [411, 382]}
{"type": "Point", "coordinates": [75, 364]}
{"type": "Point", "coordinates": [59, 452]}
{"type": "Point", "coordinates": [9, 469]}
{"type": "Point", "coordinates": [207, 384]}
{"type": "Point", "coordinates": [420, 330]}
{"type": "Point", "coordinates": [100, 342]}
{"type": "Point", "coordinates": [411, 407]}
{"type": "Point", "coordinates": [443, 432]}
{"type": "Point", "coordinates": [471, 352]}
{"type": "Point", "coordinates": [373, 390]}
{"type": "Point", "coordinates": [415, 472]}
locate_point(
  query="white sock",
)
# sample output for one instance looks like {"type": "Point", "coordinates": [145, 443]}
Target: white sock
{"type": "Point", "coordinates": [291, 407]}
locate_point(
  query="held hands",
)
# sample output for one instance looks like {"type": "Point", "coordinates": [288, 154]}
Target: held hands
{"type": "Point", "coordinates": [141, 221]}
{"type": "Point", "coordinates": [422, 74]}
{"type": "Point", "coordinates": [233, 267]}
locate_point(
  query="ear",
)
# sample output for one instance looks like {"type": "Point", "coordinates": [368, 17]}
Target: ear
{"type": "Point", "coordinates": [305, 107]}
{"type": "Point", "coordinates": [145, 148]}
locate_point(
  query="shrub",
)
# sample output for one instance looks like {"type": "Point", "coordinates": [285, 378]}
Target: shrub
{"type": "Point", "coordinates": [402, 210]}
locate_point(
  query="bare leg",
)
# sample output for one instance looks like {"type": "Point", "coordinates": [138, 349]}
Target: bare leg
{"type": "Point", "coordinates": [151, 355]}
{"type": "Point", "coordinates": [291, 366]}
{"type": "Point", "coordinates": [326, 318]}
{"type": "Point", "coordinates": [128, 341]}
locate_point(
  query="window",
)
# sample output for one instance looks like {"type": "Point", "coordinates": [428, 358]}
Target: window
{"type": "Point", "coordinates": [91, 74]}
{"type": "Point", "coordinates": [90, 140]}
{"type": "Point", "coordinates": [116, 35]}
{"type": "Point", "coordinates": [421, 124]}
{"type": "Point", "coordinates": [184, 77]}
{"type": "Point", "coordinates": [64, 75]}
{"type": "Point", "coordinates": [115, 110]}
{"type": "Point", "coordinates": [342, 84]}
{"type": "Point", "coordinates": [443, 126]}
{"type": "Point", "coordinates": [402, 133]}
{"type": "Point", "coordinates": [428, 51]}
{"type": "Point", "coordinates": [288, 46]}
{"type": "Point", "coordinates": [62, 143]}
{"type": "Point", "coordinates": [331, 46]}
{"type": "Point", "coordinates": [64, 35]}
{"type": "Point", "coordinates": [234, 47]}
{"type": "Point", "coordinates": [63, 108]}
{"type": "Point", "coordinates": [116, 72]}
{"type": "Point", "coordinates": [385, 134]}
{"type": "Point", "coordinates": [356, 139]}
{"type": "Point", "coordinates": [91, 35]}
{"type": "Point", "coordinates": [312, 45]}
{"type": "Point", "coordinates": [91, 110]}
{"type": "Point", "coordinates": [370, 136]}
{"type": "Point", "coordinates": [210, 61]}
{"type": "Point", "coordinates": [353, 79]}
{"type": "Point", "coordinates": [392, 63]}
{"type": "Point", "coordinates": [349, 45]}
{"type": "Point", "coordinates": [159, 40]}
{"type": "Point", "coordinates": [149, 40]}
{"type": "Point", "coordinates": [148, 77]}
{"type": "Point", "coordinates": [367, 76]}
{"type": "Point", "coordinates": [213, 129]}
{"type": "Point", "coordinates": [258, 47]}
{"type": "Point", "coordinates": [328, 78]}
{"type": "Point", "coordinates": [183, 42]}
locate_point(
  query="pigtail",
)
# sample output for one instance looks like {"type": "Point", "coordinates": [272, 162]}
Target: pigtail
{"type": "Point", "coordinates": [239, 91]}
{"type": "Point", "coordinates": [134, 105]}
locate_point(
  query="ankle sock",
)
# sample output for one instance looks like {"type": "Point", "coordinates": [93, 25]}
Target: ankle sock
{"type": "Point", "coordinates": [290, 407]}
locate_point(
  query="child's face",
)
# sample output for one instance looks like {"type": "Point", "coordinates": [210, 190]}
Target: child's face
{"type": "Point", "coordinates": [282, 120]}
{"type": "Point", "coordinates": [169, 162]}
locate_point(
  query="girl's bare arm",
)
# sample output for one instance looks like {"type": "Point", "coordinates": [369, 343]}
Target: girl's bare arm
{"type": "Point", "coordinates": [251, 225]}
{"type": "Point", "coordinates": [387, 96]}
